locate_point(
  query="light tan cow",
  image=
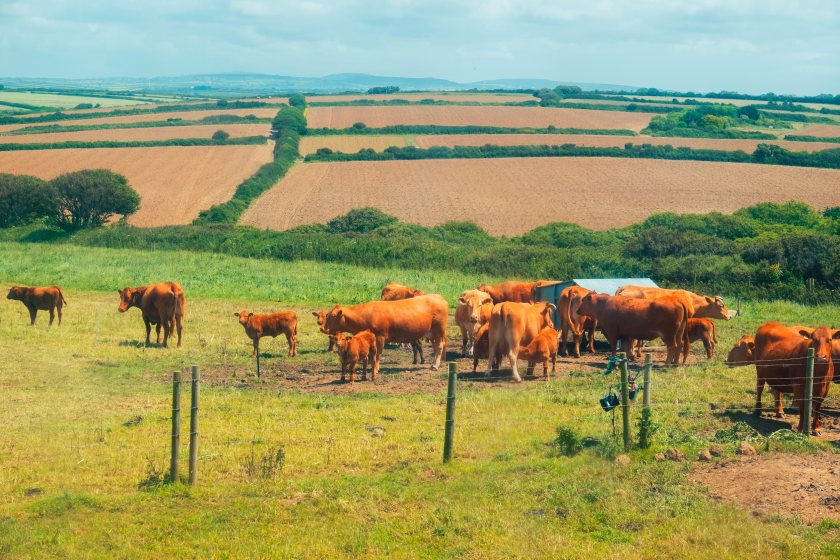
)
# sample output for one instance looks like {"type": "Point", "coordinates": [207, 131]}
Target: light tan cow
{"type": "Point", "coordinates": [473, 310]}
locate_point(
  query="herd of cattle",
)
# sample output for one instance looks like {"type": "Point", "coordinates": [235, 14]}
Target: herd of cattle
{"type": "Point", "coordinates": [506, 320]}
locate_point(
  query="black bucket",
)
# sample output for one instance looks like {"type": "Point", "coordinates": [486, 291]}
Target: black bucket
{"type": "Point", "coordinates": [609, 402]}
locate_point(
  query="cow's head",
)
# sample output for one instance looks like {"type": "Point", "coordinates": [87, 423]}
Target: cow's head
{"type": "Point", "coordinates": [244, 317]}
{"type": "Point", "coordinates": [130, 297]}
{"type": "Point", "coordinates": [333, 321]}
{"type": "Point", "coordinates": [474, 300]}
{"type": "Point", "coordinates": [16, 292]}
{"type": "Point", "coordinates": [742, 353]}
{"type": "Point", "coordinates": [716, 309]}
{"type": "Point", "coordinates": [340, 340]}
{"type": "Point", "coordinates": [320, 318]}
{"type": "Point", "coordinates": [821, 339]}
{"type": "Point", "coordinates": [587, 303]}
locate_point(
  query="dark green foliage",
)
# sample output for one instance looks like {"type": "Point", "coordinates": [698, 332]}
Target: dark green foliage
{"type": "Point", "coordinates": [750, 112]}
{"type": "Point", "coordinates": [789, 213]}
{"type": "Point", "coordinates": [297, 100]}
{"type": "Point", "coordinates": [24, 199]}
{"type": "Point", "coordinates": [289, 119]}
{"type": "Point", "coordinates": [91, 197]}
{"type": "Point", "coordinates": [567, 443]}
{"type": "Point", "coordinates": [360, 220]}
{"type": "Point", "coordinates": [84, 106]}
{"type": "Point", "coordinates": [383, 89]}
{"type": "Point", "coordinates": [220, 136]}
{"type": "Point", "coordinates": [706, 121]}
{"type": "Point", "coordinates": [832, 212]}
{"type": "Point", "coordinates": [647, 428]}
{"type": "Point", "coordinates": [800, 138]}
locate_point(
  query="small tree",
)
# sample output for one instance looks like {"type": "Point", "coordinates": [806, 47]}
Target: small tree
{"type": "Point", "coordinates": [297, 100]}
{"type": "Point", "coordinates": [220, 136]}
{"type": "Point", "coordinates": [91, 197]}
{"type": "Point", "coordinates": [360, 220]}
{"type": "Point", "coordinates": [24, 198]}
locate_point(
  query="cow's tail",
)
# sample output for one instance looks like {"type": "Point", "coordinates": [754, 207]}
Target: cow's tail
{"type": "Point", "coordinates": [683, 328]}
{"type": "Point", "coordinates": [61, 295]}
{"type": "Point", "coordinates": [714, 333]}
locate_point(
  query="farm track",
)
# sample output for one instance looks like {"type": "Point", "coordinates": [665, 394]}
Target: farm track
{"type": "Point", "coordinates": [351, 144]}
{"type": "Point", "coordinates": [140, 134]}
{"type": "Point", "coordinates": [598, 193]}
{"type": "Point", "coordinates": [175, 183]}
{"type": "Point", "coordinates": [454, 115]}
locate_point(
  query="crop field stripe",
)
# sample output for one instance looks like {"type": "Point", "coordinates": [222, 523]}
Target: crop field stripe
{"type": "Point", "coordinates": [156, 116]}
{"type": "Point", "coordinates": [593, 192]}
{"type": "Point", "coordinates": [71, 144]}
{"type": "Point", "coordinates": [138, 134]}
{"type": "Point", "coordinates": [174, 183]}
{"type": "Point", "coordinates": [454, 97]}
{"type": "Point", "coordinates": [375, 117]}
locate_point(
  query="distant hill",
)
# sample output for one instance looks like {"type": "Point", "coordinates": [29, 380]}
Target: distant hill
{"type": "Point", "coordinates": [247, 83]}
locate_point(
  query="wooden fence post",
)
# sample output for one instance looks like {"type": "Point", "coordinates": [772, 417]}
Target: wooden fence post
{"type": "Point", "coordinates": [809, 393]}
{"type": "Point", "coordinates": [176, 426]}
{"type": "Point", "coordinates": [449, 427]}
{"type": "Point", "coordinates": [196, 385]}
{"type": "Point", "coordinates": [625, 401]}
{"type": "Point", "coordinates": [646, 388]}
{"type": "Point", "coordinates": [258, 364]}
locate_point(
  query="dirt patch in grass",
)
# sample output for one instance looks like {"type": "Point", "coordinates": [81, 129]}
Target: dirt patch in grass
{"type": "Point", "coordinates": [804, 486]}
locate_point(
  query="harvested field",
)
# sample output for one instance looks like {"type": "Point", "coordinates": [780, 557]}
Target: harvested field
{"type": "Point", "coordinates": [175, 183]}
{"type": "Point", "coordinates": [820, 130]}
{"type": "Point", "coordinates": [453, 97]}
{"type": "Point", "coordinates": [351, 144]}
{"type": "Point", "coordinates": [152, 117]}
{"type": "Point", "coordinates": [143, 107]}
{"type": "Point", "coordinates": [140, 134]}
{"type": "Point", "coordinates": [598, 193]}
{"type": "Point", "coordinates": [534, 117]}
{"type": "Point", "coordinates": [64, 101]}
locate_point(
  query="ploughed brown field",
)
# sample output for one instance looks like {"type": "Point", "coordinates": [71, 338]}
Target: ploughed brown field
{"type": "Point", "coordinates": [140, 107]}
{"type": "Point", "coordinates": [351, 144]}
{"type": "Point", "coordinates": [174, 182]}
{"type": "Point", "coordinates": [821, 130]}
{"type": "Point", "coordinates": [509, 196]}
{"type": "Point", "coordinates": [453, 97]}
{"type": "Point", "coordinates": [456, 115]}
{"type": "Point", "coordinates": [153, 117]}
{"type": "Point", "coordinates": [140, 134]}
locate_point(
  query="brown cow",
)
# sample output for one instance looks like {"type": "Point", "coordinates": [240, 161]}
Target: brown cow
{"type": "Point", "coordinates": [161, 304]}
{"type": "Point", "coordinates": [742, 353]}
{"type": "Point", "coordinates": [568, 305]}
{"type": "Point", "coordinates": [320, 317]}
{"type": "Point", "coordinates": [406, 320]}
{"type": "Point", "coordinates": [513, 325]}
{"type": "Point", "coordinates": [780, 361]}
{"type": "Point", "coordinates": [270, 324]}
{"type": "Point", "coordinates": [520, 292]}
{"type": "Point", "coordinates": [704, 330]}
{"type": "Point", "coordinates": [360, 347]}
{"type": "Point", "coordinates": [34, 298]}
{"type": "Point", "coordinates": [473, 310]}
{"type": "Point", "coordinates": [481, 347]}
{"type": "Point", "coordinates": [393, 291]}
{"type": "Point", "coordinates": [540, 350]}
{"type": "Point", "coordinates": [630, 319]}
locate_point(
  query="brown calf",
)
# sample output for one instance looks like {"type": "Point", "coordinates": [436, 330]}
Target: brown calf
{"type": "Point", "coordinates": [702, 329]}
{"type": "Point", "coordinates": [46, 299]}
{"type": "Point", "coordinates": [540, 350]}
{"type": "Point", "coordinates": [360, 347]}
{"type": "Point", "coordinates": [270, 324]}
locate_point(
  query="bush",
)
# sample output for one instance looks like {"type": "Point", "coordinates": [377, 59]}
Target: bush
{"type": "Point", "coordinates": [567, 442]}
{"type": "Point", "coordinates": [359, 126]}
{"type": "Point", "coordinates": [91, 197]}
{"type": "Point", "coordinates": [289, 119]}
{"type": "Point", "coordinates": [297, 100]}
{"type": "Point", "coordinates": [24, 199]}
{"type": "Point", "coordinates": [220, 136]}
{"type": "Point", "coordinates": [360, 220]}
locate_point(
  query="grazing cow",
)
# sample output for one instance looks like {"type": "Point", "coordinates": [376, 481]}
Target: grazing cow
{"type": "Point", "coordinates": [568, 305]}
{"type": "Point", "coordinates": [406, 320]}
{"type": "Point", "coordinates": [270, 324]}
{"type": "Point", "coordinates": [704, 330]}
{"type": "Point", "coordinates": [520, 292]}
{"type": "Point", "coordinates": [473, 310]}
{"type": "Point", "coordinates": [780, 361]}
{"type": "Point", "coordinates": [540, 350]}
{"type": "Point", "coordinates": [630, 319]}
{"type": "Point", "coordinates": [46, 299]}
{"type": "Point", "coordinates": [393, 291]}
{"type": "Point", "coordinates": [513, 325]}
{"type": "Point", "coordinates": [161, 304]}
{"type": "Point", "coordinates": [320, 317]}
{"type": "Point", "coordinates": [360, 347]}
{"type": "Point", "coordinates": [742, 353]}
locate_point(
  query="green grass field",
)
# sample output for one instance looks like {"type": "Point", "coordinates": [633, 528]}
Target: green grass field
{"type": "Point", "coordinates": [59, 101]}
{"type": "Point", "coordinates": [85, 411]}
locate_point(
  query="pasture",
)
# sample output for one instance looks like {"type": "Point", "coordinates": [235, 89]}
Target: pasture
{"type": "Point", "coordinates": [86, 429]}
{"type": "Point", "coordinates": [174, 182]}
{"type": "Point", "coordinates": [455, 115]}
{"type": "Point", "coordinates": [598, 193]}
{"type": "Point", "coordinates": [151, 117]}
{"type": "Point", "coordinates": [139, 134]}
{"type": "Point", "coordinates": [60, 101]}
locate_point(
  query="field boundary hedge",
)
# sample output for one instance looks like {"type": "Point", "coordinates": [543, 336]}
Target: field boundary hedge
{"type": "Point", "coordinates": [244, 140]}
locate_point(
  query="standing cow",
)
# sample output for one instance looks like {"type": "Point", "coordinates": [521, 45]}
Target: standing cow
{"type": "Point", "coordinates": [270, 324]}
{"type": "Point", "coordinates": [568, 307]}
{"type": "Point", "coordinates": [48, 298]}
{"type": "Point", "coordinates": [703, 330]}
{"type": "Point", "coordinates": [780, 361]}
{"type": "Point", "coordinates": [513, 325]}
{"type": "Point", "coordinates": [161, 304]}
{"type": "Point", "coordinates": [320, 318]}
{"type": "Point", "coordinates": [519, 292]}
{"type": "Point", "coordinates": [473, 310]}
{"type": "Point", "coordinates": [542, 349]}
{"type": "Point", "coordinates": [630, 319]}
{"type": "Point", "coordinates": [393, 291]}
{"type": "Point", "coordinates": [406, 320]}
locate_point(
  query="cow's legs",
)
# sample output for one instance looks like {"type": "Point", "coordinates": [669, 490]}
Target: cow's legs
{"type": "Point", "coordinates": [564, 335]}
{"type": "Point", "coordinates": [343, 369]}
{"type": "Point", "coordinates": [515, 370]}
{"type": "Point", "coordinates": [759, 388]}
{"type": "Point", "coordinates": [553, 362]}
{"type": "Point", "coordinates": [777, 395]}
{"type": "Point", "coordinates": [464, 340]}
{"type": "Point", "coordinates": [577, 336]}
{"type": "Point", "coordinates": [707, 344]}
{"type": "Point", "coordinates": [591, 332]}
{"type": "Point", "coordinates": [58, 309]}
{"type": "Point", "coordinates": [352, 371]}
{"type": "Point", "coordinates": [256, 341]}
{"type": "Point", "coordinates": [530, 369]}
{"type": "Point", "coordinates": [545, 368]}
{"type": "Point", "coordinates": [52, 315]}
{"type": "Point", "coordinates": [439, 346]}
{"type": "Point", "coordinates": [417, 349]}
{"type": "Point", "coordinates": [816, 425]}
{"type": "Point", "coordinates": [364, 368]}
{"type": "Point", "coordinates": [157, 332]}
{"type": "Point", "coordinates": [167, 328]}
{"type": "Point", "coordinates": [33, 312]}
{"type": "Point", "coordinates": [290, 339]}
{"type": "Point", "coordinates": [179, 325]}
{"type": "Point", "coordinates": [148, 332]}
{"type": "Point", "coordinates": [380, 344]}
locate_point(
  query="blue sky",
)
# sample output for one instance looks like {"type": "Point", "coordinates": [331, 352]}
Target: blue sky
{"type": "Point", "coordinates": [745, 45]}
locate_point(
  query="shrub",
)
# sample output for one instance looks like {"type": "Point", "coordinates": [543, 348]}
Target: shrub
{"type": "Point", "coordinates": [567, 442]}
{"type": "Point", "coordinates": [91, 197]}
{"type": "Point", "coordinates": [360, 220]}
{"type": "Point", "coordinates": [359, 126]}
{"type": "Point", "coordinates": [24, 199]}
{"type": "Point", "coordinates": [297, 100]}
{"type": "Point", "coordinates": [220, 136]}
